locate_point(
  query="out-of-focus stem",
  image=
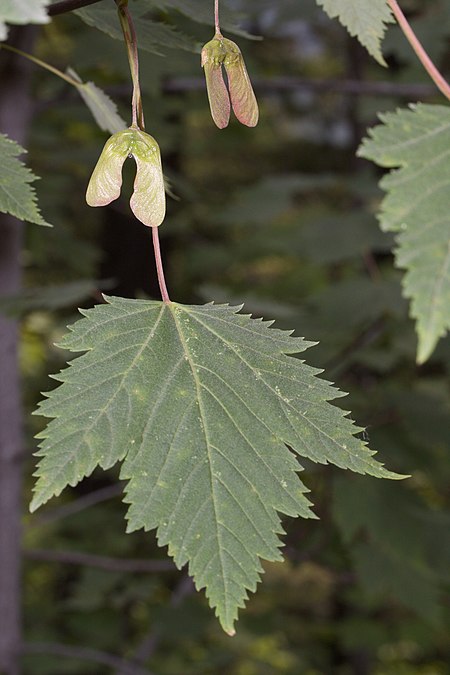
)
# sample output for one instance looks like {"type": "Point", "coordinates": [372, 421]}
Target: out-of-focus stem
{"type": "Point", "coordinates": [68, 6]}
{"type": "Point", "coordinates": [43, 64]}
{"type": "Point", "coordinates": [427, 63]}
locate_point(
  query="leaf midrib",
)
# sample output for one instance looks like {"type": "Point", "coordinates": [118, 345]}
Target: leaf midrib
{"type": "Point", "coordinates": [208, 444]}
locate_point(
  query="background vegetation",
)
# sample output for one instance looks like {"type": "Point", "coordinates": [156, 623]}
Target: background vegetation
{"type": "Point", "coordinates": [281, 218]}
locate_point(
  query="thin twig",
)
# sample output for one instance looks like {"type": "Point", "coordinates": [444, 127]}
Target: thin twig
{"type": "Point", "coordinates": [135, 566]}
{"type": "Point", "coordinates": [43, 64]}
{"type": "Point", "coordinates": [151, 641]}
{"type": "Point", "coordinates": [77, 505]}
{"type": "Point", "coordinates": [68, 6]}
{"type": "Point", "coordinates": [326, 86]}
{"type": "Point", "coordinates": [127, 667]}
{"type": "Point", "coordinates": [427, 63]}
{"type": "Point", "coordinates": [159, 265]}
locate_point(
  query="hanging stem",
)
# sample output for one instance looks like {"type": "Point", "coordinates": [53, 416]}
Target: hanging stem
{"type": "Point", "coordinates": [159, 265]}
{"type": "Point", "coordinates": [427, 63]}
{"type": "Point", "coordinates": [129, 33]}
{"type": "Point", "coordinates": [216, 18]}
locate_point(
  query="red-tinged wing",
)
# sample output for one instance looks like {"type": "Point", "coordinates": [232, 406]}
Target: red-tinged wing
{"type": "Point", "coordinates": [243, 98]}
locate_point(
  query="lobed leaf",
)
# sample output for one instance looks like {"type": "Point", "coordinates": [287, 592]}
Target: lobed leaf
{"type": "Point", "coordinates": [201, 405]}
{"type": "Point", "coordinates": [364, 19]}
{"type": "Point", "coordinates": [17, 195]}
{"type": "Point", "coordinates": [417, 208]}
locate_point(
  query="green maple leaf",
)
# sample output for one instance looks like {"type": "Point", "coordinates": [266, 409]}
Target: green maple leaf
{"type": "Point", "coordinates": [364, 19]}
{"type": "Point", "coordinates": [200, 404]}
{"type": "Point", "coordinates": [417, 207]}
{"type": "Point", "coordinates": [17, 196]}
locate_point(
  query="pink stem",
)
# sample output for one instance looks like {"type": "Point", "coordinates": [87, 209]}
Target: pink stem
{"type": "Point", "coordinates": [216, 17]}
{"type": "Point", "coordinates": [159, 265]}
{"type": "Point", "coordinates": [427, 63]}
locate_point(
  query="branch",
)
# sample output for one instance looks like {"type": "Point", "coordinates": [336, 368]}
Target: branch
{"type": "Point", "coordinates": [84, 654]}
{"type": "Point", "coordinates": [151, 642]}
{"type": "Point", "coordinates": [427, 63]}
{"type": "Point", "coordinates": [68, 6]}
{"type": "Point", "coordinates": [95, 497]}
{"type": "Point", "coordinates": [102, 562]}
{"type": "Point", "coordinates": [286, 83]}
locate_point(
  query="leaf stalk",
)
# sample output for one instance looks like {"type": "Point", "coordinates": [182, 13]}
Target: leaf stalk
{"type": "Point", "coordinates": [129, 34]}
{"type": "Point", "coordinates": [415, 43]}
{"type": "Point", "coordinates": [216, 18]}
{"type": "Point", "coordinates": [159, 265]}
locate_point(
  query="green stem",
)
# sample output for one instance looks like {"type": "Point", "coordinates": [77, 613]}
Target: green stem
{"type": "Point", "coordinates": [427, 63]}
{"type": "Point", "coordinates": [43, 64]}
{"type": "Point", "coordinates": [129, 34]}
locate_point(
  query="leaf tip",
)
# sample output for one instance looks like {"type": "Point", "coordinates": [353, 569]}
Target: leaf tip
{"type": "Point", "coordinates": [35, 503]}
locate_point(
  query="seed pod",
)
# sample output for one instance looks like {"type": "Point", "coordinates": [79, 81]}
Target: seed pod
{"type": "Point", "coordinates": [223, 52]}
{"type": "Point", "coordinates": [213, 56]}
{"type": "Point", "coordinates": [148, 201]}
{"type": "Point", "coordinates": [106, 180]}
{"type": "Point", "coordinates": [243, 97]}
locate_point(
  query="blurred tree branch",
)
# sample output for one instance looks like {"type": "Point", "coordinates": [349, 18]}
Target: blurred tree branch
{"type": "Point", "coordinates": [84, 654]}
{"type": "Point", "coordinates": [102, 562]}
{"type": "Point", "coordinates": [151, 641]}
{"type": "Point", "coordinates": [288, 83]}
{"type": "Point", "coordinates": [77, 505]}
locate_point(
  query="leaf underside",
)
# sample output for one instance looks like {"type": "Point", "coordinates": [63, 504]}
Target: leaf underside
{"type": "Point", "coordinates": [153, 36]}
{"type": "Point", "coordinates": [17, 195]}
{"type": "Point", "coordinates": [417, 207]}
{"type": "Point", "coordinates": [103, 109]}
{"type": "Point", "coordinates": [364, 19]}
{"type": "Point", "coordinates": [200, 404]}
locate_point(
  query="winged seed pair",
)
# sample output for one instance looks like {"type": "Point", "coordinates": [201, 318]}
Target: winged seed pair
{"type": "Point", "coordinates": [148, 201]}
